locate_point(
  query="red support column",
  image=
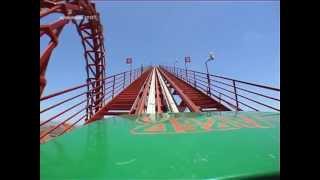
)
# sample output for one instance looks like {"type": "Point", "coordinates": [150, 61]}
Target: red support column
{"type": "Point", "coordinates": [90, 31]}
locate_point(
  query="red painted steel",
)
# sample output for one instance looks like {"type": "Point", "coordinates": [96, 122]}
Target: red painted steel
{"type": "Point", "coordinates": [240, 94]}
{"type": "Point", "coordinates": [90, 30]}
{"type": "Point", "coordinates": [194, 99]}
{"type": "Point", "coordinates": [111, 96]}
{"type": "Point", "coordinates": [142, 99]}
{"type": "Point", "coordinates": [68, 105]}
{"type": "Point", "coordinates": [124, 102]}
{"type": "Point", "coordinates": [124, 97]}
{"type": "Point", "coordinates": [190, 85]}
{"type": "Point", "coordinates": [159, 97]}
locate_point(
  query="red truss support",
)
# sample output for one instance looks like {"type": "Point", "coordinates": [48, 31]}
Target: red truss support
{"type": "Point", "coordinates": [90, 30]}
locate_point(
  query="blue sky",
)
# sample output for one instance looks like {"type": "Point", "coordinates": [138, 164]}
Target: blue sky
{"type": "Point", "coordinates": [244, 36]}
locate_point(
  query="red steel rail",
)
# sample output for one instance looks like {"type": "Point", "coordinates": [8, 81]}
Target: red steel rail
{"type": "Point", "coordinates": [127, 100]}
{"type": "Point", "coordinates": [90, 30]}
{"type": "Point", "coordinates": [159, 97]}
{"type": "Point", "coordinates": [68, 106]}
{"type": "Point", "coordinates": [143, 96]}
{"type": "Point", "coordinates": [193, 98]}
{"type": "Point", "coordinates": [237, 94]}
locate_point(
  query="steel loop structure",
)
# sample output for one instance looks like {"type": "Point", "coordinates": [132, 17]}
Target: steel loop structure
{"type": "Point", "coordinates": [145, 90]}
{"type": "Point", "coordinates": [91, 32]}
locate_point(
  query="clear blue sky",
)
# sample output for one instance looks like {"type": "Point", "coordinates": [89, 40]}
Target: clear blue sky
{"type": "Point", "coordinates": [244, 36]}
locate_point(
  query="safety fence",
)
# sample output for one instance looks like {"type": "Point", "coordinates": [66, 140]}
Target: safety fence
{"type": "Point", "coordinates": [66, 109]}
{"type": "Point", "coordinates": [236, 94]}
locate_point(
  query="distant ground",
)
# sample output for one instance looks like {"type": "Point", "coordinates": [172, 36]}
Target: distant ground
{"type": "Point", "coordinates": [54, 133]}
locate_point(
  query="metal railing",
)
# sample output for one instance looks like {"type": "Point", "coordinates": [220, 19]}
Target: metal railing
{"type": "Point", "coordinates": [235, 94]}
{"type": "Point", "coordinates": [67, 108]}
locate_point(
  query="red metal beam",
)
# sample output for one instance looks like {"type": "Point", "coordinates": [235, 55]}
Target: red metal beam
{"type": "Point", "coordinates": [90, 31]}
{"type": "Point", "coordinates": [193, 107]}
{"type": "Point", "coordinates": [143, 99]}
{"type": "Point", "coordinates": [253, 91]}
{"type": "Point", "coordinates": [189, 93]}
{"type": "Point", "coordinates": [182, 106]}
{"type": "Point", "coordinates": [135, 106]}
{"type": "Point", "coordinates": [119, 101]}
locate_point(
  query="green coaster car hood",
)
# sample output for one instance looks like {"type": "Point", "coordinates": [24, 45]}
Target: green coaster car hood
{"type": "Point", "coordinates": [212, 145]}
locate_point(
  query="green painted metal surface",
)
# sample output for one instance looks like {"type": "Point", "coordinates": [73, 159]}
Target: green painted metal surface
{"type": "Point", "coordinates": [216, 145]}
